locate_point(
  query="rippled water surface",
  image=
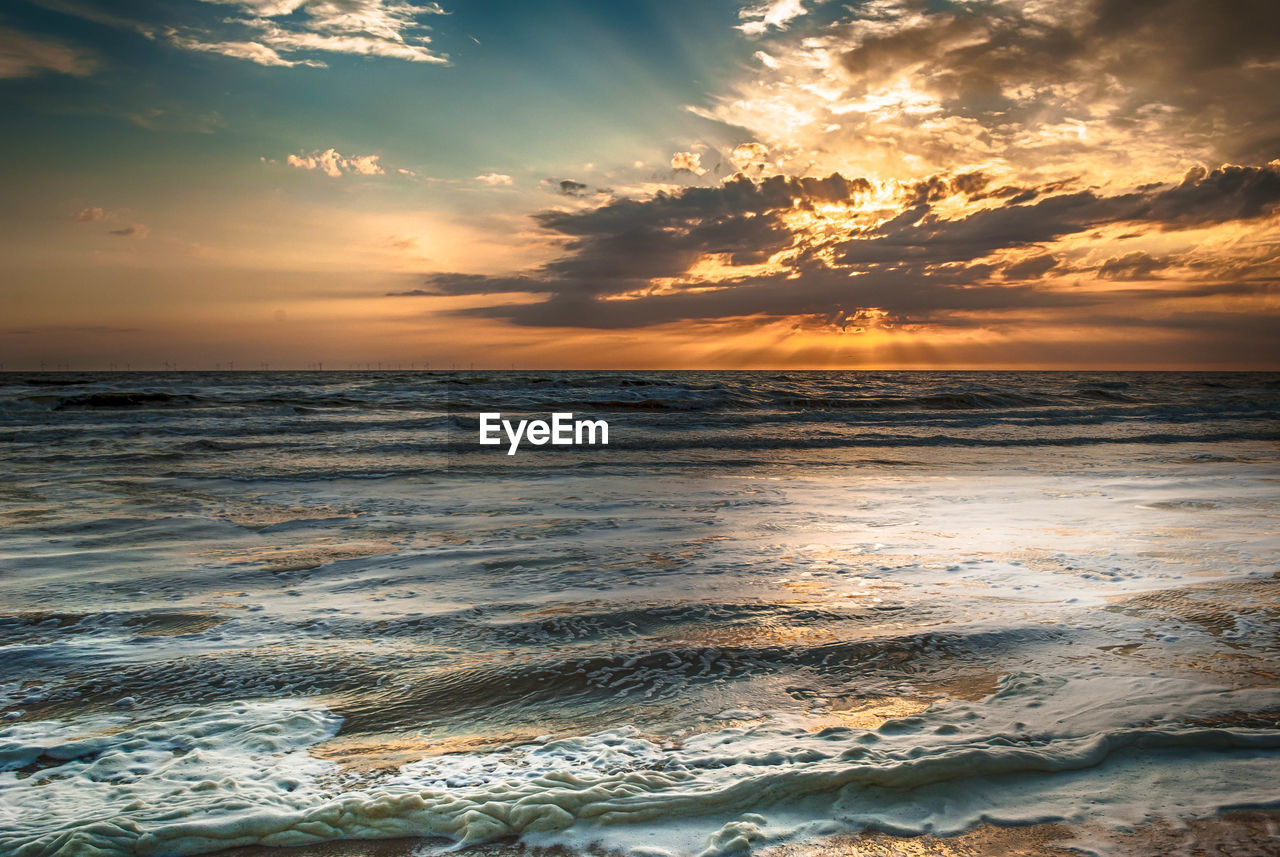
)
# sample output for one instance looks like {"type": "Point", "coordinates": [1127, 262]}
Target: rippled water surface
{"type": "Point", "coordinates": [281, 609]}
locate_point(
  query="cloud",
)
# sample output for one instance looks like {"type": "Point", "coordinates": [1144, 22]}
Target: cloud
{"type": "Point", "coordinates": [1128, 91]}
{"type": "Point", "coordinates": [251, 51]}
{"type": "Point", "coordinates": [569, 187]}
{"type": "Point", "coordinates": [289, 40]}
{"type": "Point", "coordinates": [87, 215]}
{"type": "Point", "coordinates": [334, 164]}
{"type": "Point", "coordinates": [24, 56]}
{"type": "Point", "coordinates": [275, 32]}
{"type": "Point", "coordinates": [689, 162]}
{"type": "Point", "coordinates": [776, 13]}
{"type": "Point", "coordinates": [1031, 269]}
{"type": "Point", "coordinates": [264, 8]}
{"type": "Point", "coordinates": [365, 165]}
{"type": "Point", "coordinates": [136, 230]}
{"type": "Point", "coordinates": [494, 179]}
{"type": "Point", "coordinates": [1230, 192]}
{"type": "Point", "coordinates": [386, 19]}
{"type": "Point", "coordinates": [474, 284]}
{"type": "Point", "coordinates": [57, 330]}
{"type": "Point", "coordinates": [161, 119]}
{"type": "Point", "coordinates": [1132, 266]}
{"type": "Point", "coordinates": [839, 247]}
{"type": "Point", "coordinates": [88, 12]}
{"type": "Point", "coordinates": [623, 244]}
{"type": "Point", "coordinates": [750, 157]}
{"type": "Point", "coordinates": [404, 243]}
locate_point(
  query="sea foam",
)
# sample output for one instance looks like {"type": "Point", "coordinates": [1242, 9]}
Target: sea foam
{"type": "Point", "coordinates": [1036, 751]}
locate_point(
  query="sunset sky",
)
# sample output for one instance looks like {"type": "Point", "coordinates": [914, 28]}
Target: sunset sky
{"type": "Point", "coordinates": [662, 184]}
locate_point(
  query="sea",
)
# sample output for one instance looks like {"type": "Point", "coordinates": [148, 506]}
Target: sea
{"type": "Point", "coordinates": [778, 608]}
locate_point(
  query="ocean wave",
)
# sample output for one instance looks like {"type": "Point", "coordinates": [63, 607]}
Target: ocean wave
{"type": "Point", "coordinates": [197, 781]}
{"type": "Point", "coordinates": [712, 392]}
{"type": "Point", "coordinates": [942, 402]}
{"type": "Point", "coordinates": [126, 400]}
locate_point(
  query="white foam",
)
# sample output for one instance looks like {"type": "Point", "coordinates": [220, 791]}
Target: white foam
{"type": "Point", "coordinates": [92, 787]}
{"type": "Point", "coordinates": [1104, 751]}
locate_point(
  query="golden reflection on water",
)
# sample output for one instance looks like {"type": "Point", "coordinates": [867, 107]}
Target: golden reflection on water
{"type": "Point", "coordinates": [303, 557]}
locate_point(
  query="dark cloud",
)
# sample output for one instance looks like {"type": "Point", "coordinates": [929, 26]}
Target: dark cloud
{"type": "Point", "coordinates": [569, 187]}
{"type": "Point", "coordinates": [475, 284]}
{"type": "Point", "coordinates": [1131, 266]}
{"type": "Point", "coordinates": [1203, 64]}
{"type": "Point", "coordinates": [1227, 193]}
{"type": "Point", "coordinates": [915, 266]}
{"type": "Point", "coordinates": [971, 55]}
{"type": "Point", "coordinates": [626, 243]}
{"type": "Point", "coordinates": [1031, 269]}
{"type": "Point", "coordinates": [919, 237]}
{"type": "Point", "coordinates": [970, 184]}
{"type": "Point", "coordinates": [927, 190]}
{"type": "Point", "coordinates": [973, 185]}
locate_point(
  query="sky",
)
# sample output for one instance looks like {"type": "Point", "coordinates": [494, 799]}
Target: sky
{"type": "Point", "coordinates": [996, 184]}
